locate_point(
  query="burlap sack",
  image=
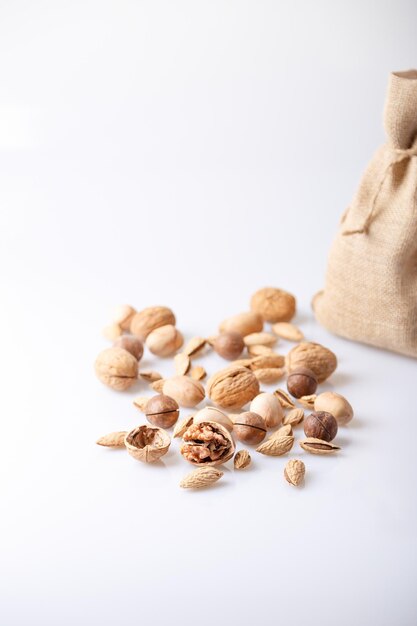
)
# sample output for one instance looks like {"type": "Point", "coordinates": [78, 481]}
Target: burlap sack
{"type": "Point", "coordinates": [370, 290]}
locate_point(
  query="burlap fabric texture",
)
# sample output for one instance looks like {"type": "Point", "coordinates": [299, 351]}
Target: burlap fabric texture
{"type": "Point", "coordinates": [370, 292]}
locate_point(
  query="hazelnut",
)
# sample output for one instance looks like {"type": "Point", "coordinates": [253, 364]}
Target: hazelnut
{"type": "Point", "coordinates": [116, 368]}
{"type": "Point", "coordinates": [207, 443]}
{"type": "Point", "coordinates": [274, 305]}
{"type": "Point", "coordinates": [301, 382]}
{"type": "Point", "coordinates": [320, 425]}
{"type": "Point", "coordinates": [213, 414]}
{"type": "Point", "coordinates": [249, 428]}
{"type": "Point", "coordinates": [229, 345]}
{"type": "Point", "coordinates": [269, 407]}
{"type": "Point", "coordinates": [335, 404]}
{"type": "Point", "coordinates": [165, 340]}
{"type": "Point", "coordinates": [147, 444]}
{"type": "Point", "coordinates": [132, 344]}
{"type": "Point", "coordinates": [162, 411]}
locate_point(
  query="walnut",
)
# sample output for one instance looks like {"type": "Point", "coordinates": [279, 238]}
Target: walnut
{"type": "Point", "coordinates": [313, 356]}
{"type": "Point", "coordinates": [148, 319]}
{"type": "Point", "coordinates": [116, 368]}
{"type": "Point", "coordinates": [207, 443]}
{"type": "Point", "coordinates": [232, 387]}
{"type": "Point", "coordinates": [274, 305]}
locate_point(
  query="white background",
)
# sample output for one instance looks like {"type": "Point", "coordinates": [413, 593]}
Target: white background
{"type": "Point", "coordinates": [188, 153]}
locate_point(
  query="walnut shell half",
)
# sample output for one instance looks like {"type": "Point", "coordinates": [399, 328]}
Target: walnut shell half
{"type": "Point", "coordinates": [147, 444]}
{"type": "Point", "coordinates": [207, 443]}
{"type": "Point", "coordinates": [232, 387]}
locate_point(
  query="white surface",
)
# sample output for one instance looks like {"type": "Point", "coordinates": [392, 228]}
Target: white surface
{"type": "Point", "coordinates": [188, 153]}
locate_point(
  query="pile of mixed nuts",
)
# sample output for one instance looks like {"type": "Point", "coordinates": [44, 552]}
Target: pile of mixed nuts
{"type": "Point", "coordinates": [209, 434]}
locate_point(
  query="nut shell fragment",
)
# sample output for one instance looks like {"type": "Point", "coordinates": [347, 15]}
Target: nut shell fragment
{"type": "Point", "coordinates": [294, 417]}
{"type": "Point", "coordinates": [140, 402]}
{"type": "Point", "coordinates": [158, 385]}
{"type": "Point", "coordinates": [284, 398]}
{"type": "Point", "coordinates": [194, 346]}
{"type": "Point", "coordinates": [308, 401]}
{"type": "Point", "coordinates": [198, 372]}
{"type": "Point", "coordinates": [242, 460]}
{"type": "Point", "coordinates": [182, 425]}
{"type": "Point", "coordinates": [150, 376]}
{"type": "Point", "coordinates": [283, 431]}
{"type": "Point", "coordinates": [182, 363]}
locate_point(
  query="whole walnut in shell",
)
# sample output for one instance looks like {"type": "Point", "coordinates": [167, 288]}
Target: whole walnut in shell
{"type": "Point", "coordinates": [186, 391]}
{"type": "Point", "coordinates": [147, 444]}
{"type": "Point", "coordinates": [313, 356]}
{"type": "Point", "coordinates": [207, 443]}
{"type": "Point", "coordinates": [145, 321]}
{"type": "Point", "coordinates": [274, 305]}
{"type": "Point", "coordinates": [116, 368]}
{"type": "Point", "coordinates": [165, 340]}
{"type": "Point", "coordinates": [232, 387]}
